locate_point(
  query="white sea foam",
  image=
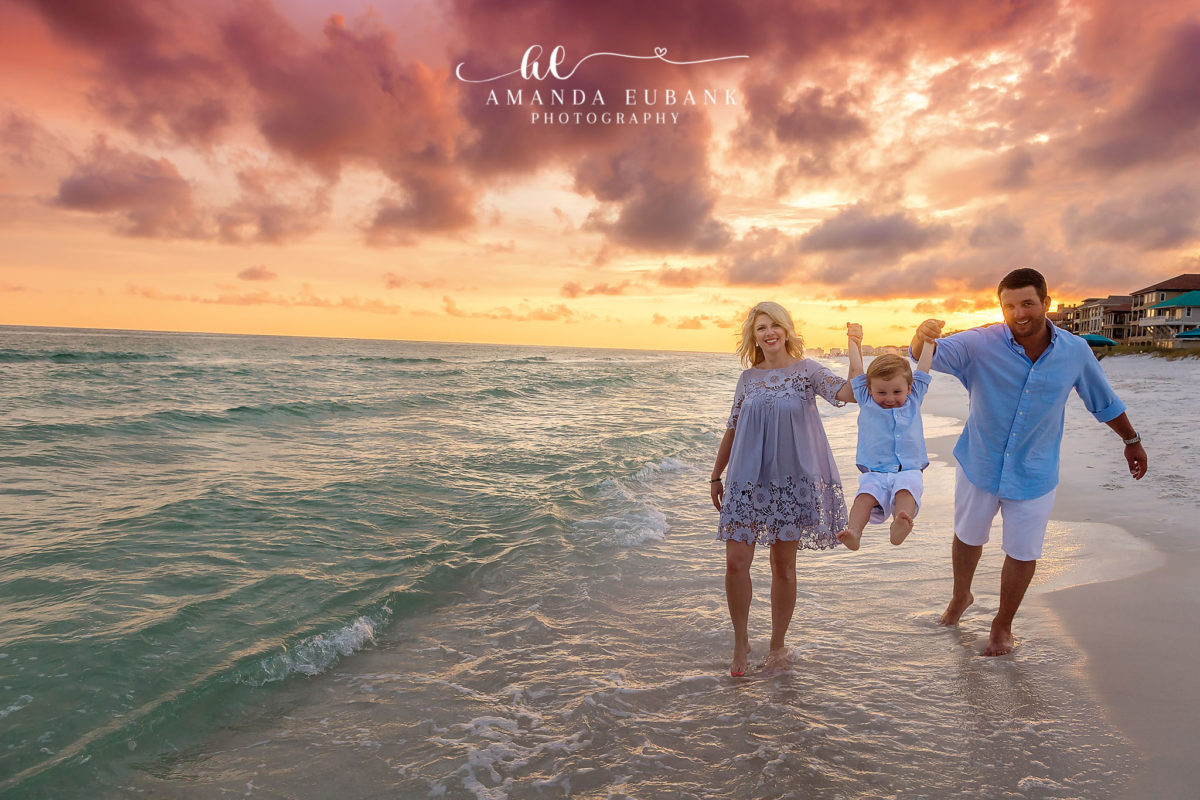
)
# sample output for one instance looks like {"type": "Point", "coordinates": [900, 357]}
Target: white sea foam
{"type": "Point", "coordinates": [632, 519]}
{"type": "Point", "coordinates": [650, 472]}
{"type": "Point", "coordinates": [318, 653]}
{"type": "Point", "coordinates": [21, 702]}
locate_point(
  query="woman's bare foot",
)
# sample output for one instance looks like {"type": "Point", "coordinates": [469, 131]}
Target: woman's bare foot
{"type": "Point", "coordinates": [902, 525]}
{"type": "Point", "coordinates": [741, 659]}
{"type": "Point", "coordinates": [955, 609]}
{"type": "Point", "coordinates": [778, 661]}
{"type": "Point", "coordinates": [850, 538]}
{"type": "Point", "coordinates": [1001, 641]}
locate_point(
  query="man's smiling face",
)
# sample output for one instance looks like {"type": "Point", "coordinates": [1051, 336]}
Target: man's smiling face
{"type": "Point", "coordinates": [1024, 311]}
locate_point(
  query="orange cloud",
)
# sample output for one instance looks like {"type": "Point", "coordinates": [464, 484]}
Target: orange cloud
{"type": "Point", "coordinates": [257, 273]}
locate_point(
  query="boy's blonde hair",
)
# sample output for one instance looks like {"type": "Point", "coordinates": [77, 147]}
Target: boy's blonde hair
{"type": "Point", "coordinates": [749, 353]}
{"type": "Point", "coordinates": [888, 366]}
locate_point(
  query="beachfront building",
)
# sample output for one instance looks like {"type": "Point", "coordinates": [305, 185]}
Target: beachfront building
{"type": "Point", "coordinates": [1065, 316]}
{"type": "Point", "coordinates": [1103, 316]}
{"type": "Point", "coordinates": [1153, 320]}
{"type": "Point", "coordinates": [1116, 322]}
{"type": "Point", "coordinates": [1175, 316]}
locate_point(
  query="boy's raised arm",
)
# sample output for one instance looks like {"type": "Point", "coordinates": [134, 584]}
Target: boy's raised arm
{"type": "Point", "coordinates": [925, 359]}
{"type": "Point", "coordinates": [854, 335]}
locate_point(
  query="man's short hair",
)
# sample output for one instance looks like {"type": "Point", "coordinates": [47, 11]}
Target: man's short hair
{"type": "Point", "coordinates": [1020, 278]}
{"type": "Point", "coordinates": [888, 366]}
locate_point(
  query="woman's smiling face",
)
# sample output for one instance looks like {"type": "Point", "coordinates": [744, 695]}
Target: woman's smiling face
{"type": "Point", "coordinates": [769, 334]}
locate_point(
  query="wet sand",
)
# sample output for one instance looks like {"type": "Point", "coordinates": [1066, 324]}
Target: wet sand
{"type": "Point", "coordinates": [1138, 633]}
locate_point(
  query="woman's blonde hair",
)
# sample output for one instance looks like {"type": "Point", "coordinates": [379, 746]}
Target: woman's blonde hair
{"type": "Point", "coordinates": [749, 353]}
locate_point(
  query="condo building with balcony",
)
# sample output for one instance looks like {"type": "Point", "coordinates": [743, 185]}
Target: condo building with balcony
{"type": "Point", "coordinates": [1168, 307]}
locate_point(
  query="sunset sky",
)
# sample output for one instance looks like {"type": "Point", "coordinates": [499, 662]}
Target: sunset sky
{"type": "Point", "coordinates": [316, 167]}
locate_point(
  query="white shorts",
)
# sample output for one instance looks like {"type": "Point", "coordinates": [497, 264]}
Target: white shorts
{"type": "Point", "coordinates": [1024, 520]}
{"type": "Point", "coordinates": [883, 487]}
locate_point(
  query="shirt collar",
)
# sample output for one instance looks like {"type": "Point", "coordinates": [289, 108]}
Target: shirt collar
{"type": "Point", "coordinates": [1012, 340]}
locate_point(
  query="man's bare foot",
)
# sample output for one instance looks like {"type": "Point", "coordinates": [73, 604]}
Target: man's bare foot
{"type": "Point", "coordinates": [778, 661]}
{"type": "Point", "coordinates": [902, 525]}
{"type": "Point", "coordinates": [741, 659]}
{"type": "Point", "coordinates": [955, 609]}
{"type": "Point", "coordinates": [1001, 642]}
{"type": "Point", "coordinates": [850, 538]}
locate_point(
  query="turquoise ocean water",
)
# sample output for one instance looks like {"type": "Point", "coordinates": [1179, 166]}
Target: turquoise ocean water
{"type": "Point", "coordinates": [302, 567]}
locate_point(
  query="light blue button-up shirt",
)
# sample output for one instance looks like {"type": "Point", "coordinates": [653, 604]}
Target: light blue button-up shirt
{"type": "Point", "coordinates": [890, 439]}
{"type": "Point", "coordinates": [1010, 444]}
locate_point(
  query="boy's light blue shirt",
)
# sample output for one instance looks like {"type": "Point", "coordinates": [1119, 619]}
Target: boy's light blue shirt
{"type": "Point", "coordinates": [891, 439]}
{"type": "Point", "coordinates": [1010, 444]}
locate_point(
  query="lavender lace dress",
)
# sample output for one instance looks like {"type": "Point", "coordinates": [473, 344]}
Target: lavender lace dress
{"type": "Point", "coordinates": [782, 483]}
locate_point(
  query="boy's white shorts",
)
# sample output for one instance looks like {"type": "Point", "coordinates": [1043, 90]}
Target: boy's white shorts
{"type": "Point", "coordinates": [1024, 520]}
{"type": "Point", "coordinates": [883, 487]}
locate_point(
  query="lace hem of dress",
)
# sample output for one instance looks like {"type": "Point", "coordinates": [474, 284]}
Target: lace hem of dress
{"type": "Point", "coordinates": [811, 512]}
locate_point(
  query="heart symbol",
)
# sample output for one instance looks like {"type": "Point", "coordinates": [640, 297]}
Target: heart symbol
{"type": "Point", "coordinates": [660, 51]}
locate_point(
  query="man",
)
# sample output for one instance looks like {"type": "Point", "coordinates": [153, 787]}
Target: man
{"type": "Point", "coordinates": [1018, 376]}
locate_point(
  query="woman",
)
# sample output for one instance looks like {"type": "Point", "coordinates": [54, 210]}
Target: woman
{"type": "Point", "coordinates": [783, 489]}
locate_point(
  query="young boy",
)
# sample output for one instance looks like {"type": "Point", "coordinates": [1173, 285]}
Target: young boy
{"type": "Point", "coordinates": [891, 443]}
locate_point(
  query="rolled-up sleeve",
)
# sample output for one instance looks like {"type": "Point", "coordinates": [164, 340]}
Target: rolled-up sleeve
{"type": "Point", "coordinates": [1096, 392]}
{"type": "Point", "coordinates": [953, 353]}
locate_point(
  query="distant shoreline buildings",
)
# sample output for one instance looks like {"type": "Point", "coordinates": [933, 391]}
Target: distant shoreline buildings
{"type": "Point", "coordinates": [1165, 314]}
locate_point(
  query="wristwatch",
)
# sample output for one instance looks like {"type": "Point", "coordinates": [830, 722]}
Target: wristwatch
{"type": "Point", "coordinates": [1135, 439]}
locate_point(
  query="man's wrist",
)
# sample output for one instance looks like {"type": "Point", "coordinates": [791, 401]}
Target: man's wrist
{"type": "Point", "coordinates": [1135, 439]}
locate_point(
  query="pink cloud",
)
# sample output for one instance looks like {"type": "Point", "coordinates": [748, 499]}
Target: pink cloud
{"type": "Point", "coordinates": [762, 257]}
{"type": "Point", "coordinates": [150, 194]}
{"type": "Point", "coordinates": [860, 228]}
{"type": "Point", "coordinates": [263, 213]}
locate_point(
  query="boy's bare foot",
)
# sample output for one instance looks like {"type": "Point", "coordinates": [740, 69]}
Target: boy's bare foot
{"type": "Point", "coordinates": [777, 661]}
{"type": "Point", "coordinates": [1001, 641]}
{"type": "Point", "coordinates": [902, 525]}
{"type": "Point", "coordinates": [955, 609]}
{"type": "Point", "coordinates": [741, 659]}
{"type": "Point", "coordinates": [850, 538]}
